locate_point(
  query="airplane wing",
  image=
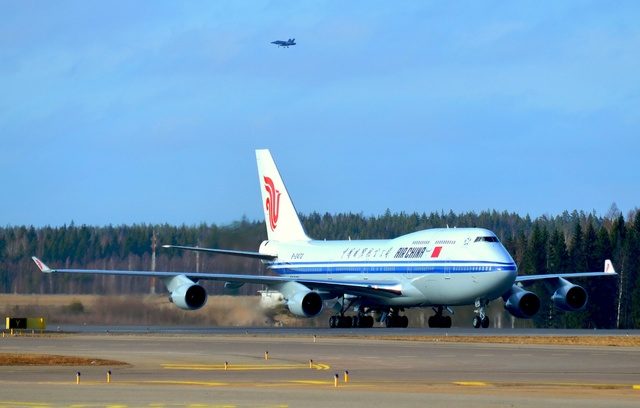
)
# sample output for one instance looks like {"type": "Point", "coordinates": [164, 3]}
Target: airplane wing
{"type": "Point", "coordinates": [245, 254]}
{"type": "Point", "coordinates": [381, 289]}
{"type": "Point", "coordinates": [530, 279]}
{"type": "Point", "coordinates": [373, 289]}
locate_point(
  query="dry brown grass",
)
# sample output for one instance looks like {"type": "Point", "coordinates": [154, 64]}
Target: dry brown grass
{"type": "Point", "coordinates": [600, 341]}
{"type": "Point", "coordinates": [52, 360]}
{"type": "Point", "coordinates": [228, 311]}
{"type": "Point", "coordinates": [147, 310]}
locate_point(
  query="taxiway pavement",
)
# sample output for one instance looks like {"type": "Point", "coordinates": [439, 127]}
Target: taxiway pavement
{"type": "Point", "coordinates": [273, 370]}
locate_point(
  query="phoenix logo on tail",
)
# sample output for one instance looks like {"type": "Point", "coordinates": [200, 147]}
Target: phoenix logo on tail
{"type": "Point", "coordinates": [272, 202]}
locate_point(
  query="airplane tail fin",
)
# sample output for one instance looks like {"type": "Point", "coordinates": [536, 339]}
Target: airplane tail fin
{"type": "Point", "coordinates": [280, 214]}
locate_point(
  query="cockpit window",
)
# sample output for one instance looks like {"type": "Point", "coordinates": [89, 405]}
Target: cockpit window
{"type": "Point", "coordinates": [487, 239]}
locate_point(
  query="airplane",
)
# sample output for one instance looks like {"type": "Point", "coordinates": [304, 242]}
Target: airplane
{"type": "Point", "coordinates": [280, 43]}
{"type": "Point", "coordinates": [377, 279]}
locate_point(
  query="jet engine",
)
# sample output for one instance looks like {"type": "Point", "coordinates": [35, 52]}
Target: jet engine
{"type": "Point", "coordinates": [305, 304]}
{"type": "Point", "coordinates": [189, 297]}
{"type": "Point", "coordinates": [570, 297]}
{"type": "Point", "coordinates": [521, 303]}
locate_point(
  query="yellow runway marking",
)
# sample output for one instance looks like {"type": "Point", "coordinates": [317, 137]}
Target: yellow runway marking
{"type": "Point", "coordinates": [244, 367]}
{"type": "Point", "coordinates": [471, 383]}
{"type": "Point", "coordinates": [174, 382]}
{"type": "Point", "coordinates": [310, 382]}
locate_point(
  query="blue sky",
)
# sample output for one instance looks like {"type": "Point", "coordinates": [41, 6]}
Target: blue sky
{"type": "Point", "coordinates": [149, 112]}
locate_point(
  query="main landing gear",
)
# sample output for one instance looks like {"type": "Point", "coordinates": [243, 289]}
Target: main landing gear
{"type": "Point", "coordinates": [361, 320]}
{"type": "Point", "coordinates": [390, 317]}
{"type": "Point", "coordinates": [438, 320]}
{"type": "Point", "coordinates": [482, 320]}
{"type": "Point", "coordinates": [393, 319]}
{"type": "Point", "coordinates": [356, 322]}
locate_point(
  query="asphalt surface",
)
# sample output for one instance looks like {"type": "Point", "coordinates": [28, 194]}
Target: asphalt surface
{"type": "Point", "coordinates": [300, 331]}
{"type": "Point", "coordinates": [169, 367]}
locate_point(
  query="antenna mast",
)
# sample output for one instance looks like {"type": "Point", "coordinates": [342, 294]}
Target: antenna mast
{"type": "Point", "coordinates": [153, 262]}
{"type": "Point", "coordinates": [198, 260]}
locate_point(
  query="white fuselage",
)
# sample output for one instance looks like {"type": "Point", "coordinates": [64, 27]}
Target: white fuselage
{"type": "Point", "coordinates": [435, 267]}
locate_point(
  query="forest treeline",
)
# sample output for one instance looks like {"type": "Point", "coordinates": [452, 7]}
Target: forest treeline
{"type": "Point", "coordinates": [575, 241]}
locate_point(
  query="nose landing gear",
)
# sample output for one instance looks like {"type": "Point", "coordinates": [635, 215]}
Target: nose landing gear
{"type": "Point", "coordinates": [482, 320]}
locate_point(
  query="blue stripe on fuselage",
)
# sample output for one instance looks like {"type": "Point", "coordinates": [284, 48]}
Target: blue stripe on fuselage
{"type": "Point", "coordinates": [420, 267]}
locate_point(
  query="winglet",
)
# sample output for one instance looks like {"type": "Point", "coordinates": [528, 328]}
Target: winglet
{"type": "Point", "coordinates": [608, 267]}
{"type": "Point", "coordinates": [44, 268]}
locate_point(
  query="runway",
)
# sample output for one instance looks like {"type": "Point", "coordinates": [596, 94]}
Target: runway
{"type": "Point", "coordinates": [265, 369]}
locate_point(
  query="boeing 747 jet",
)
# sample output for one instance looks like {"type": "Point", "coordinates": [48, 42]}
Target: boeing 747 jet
{"type": "Point", "coordinates": [376, 279]}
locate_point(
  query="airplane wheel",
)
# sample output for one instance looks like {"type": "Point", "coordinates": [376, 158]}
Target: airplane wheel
{"type": "Point", "coordinates": [476, 322]}
{"type": "Point", "coordinates": [368, 321]}
{"type": "Point", "coordinates": [447, 322]}
{"type": "Point", "coordinates": [348, 321]}
{"type": "Point", "coordinates": [431, 321]}
{"type": "Point", "coordinates": [389, 321]}
{"type": "Point", "coordinates": [485, 322]}
{"type": "Point", "coordinates": [332, 322]}
{"type": "Point", "coordinates": [404, 320]}
{"type": "Point", "coordinates": [355, 322]}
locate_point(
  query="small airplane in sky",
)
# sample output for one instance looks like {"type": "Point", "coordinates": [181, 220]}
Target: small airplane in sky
{"type": "Point", "coordinates": [280, 43]}
{"type": "Point", "coordinates": [378, 279]}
